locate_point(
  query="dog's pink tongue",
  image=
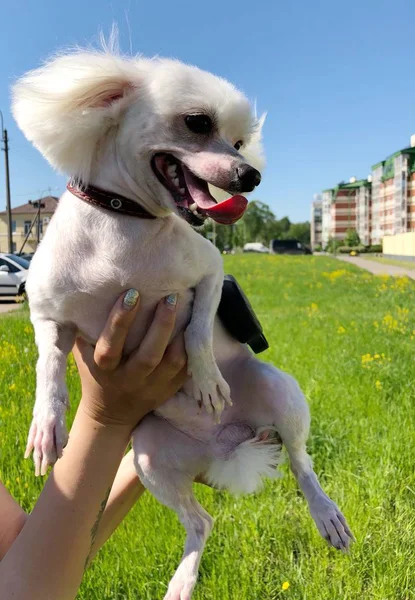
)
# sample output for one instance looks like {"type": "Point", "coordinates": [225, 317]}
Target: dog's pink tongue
{"type": "Point", "coordinates": [229, 211]}
{"type": "Point", "coordinates": [226, 212]}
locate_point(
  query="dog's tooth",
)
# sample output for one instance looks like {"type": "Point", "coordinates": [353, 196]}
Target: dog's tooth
{"type": "Point", "coordinates": [176, 181]}
{"type": "Point", "coordinates": [193, 207]}
{"type": "Point", "coordinates": [182, 190]}
{"type": "Point", "coordinates": [171, 170]}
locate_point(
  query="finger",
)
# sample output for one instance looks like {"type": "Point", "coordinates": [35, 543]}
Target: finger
{"type": "Point", "coordinates": [110, 345]}
{"type": "Point", "coordinates": [174, 359]}
{"type": "Point", "coordinates": [170, 388]}
{"type": "Point", "coordinates": [179, 380]}
{"type": "Point", "coordinates": [149, 354]}
{"type": "Point", "coordinates": [83, 354]}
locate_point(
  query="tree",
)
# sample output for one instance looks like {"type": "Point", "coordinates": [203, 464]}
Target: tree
{"type": "Point", "coordinates": [352, 238]}
{"type": "Point", "coordinates": [259, 222]}
{"type": "Point", "coordinates": [299, 231]}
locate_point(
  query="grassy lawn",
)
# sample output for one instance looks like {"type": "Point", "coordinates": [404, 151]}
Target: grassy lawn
{"type": "Point", "coordinates": [406, 264]}
{"type": "Point", "coordinates": [349, 338]}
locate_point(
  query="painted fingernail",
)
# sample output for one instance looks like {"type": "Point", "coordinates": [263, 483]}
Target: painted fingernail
{"type": "Point", "coordinates": [171, 300]}
{"type": "Point", "coordinates": [130, 299]}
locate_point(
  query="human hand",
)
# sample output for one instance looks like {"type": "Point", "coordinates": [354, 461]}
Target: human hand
{"type": "Point", "coordinates": [122, 392]}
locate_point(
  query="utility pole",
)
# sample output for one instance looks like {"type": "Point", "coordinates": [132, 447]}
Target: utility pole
{"type": "Point", "coordinates": [40, 205]}
{"type": "Point", "coordinates": [5, 148]}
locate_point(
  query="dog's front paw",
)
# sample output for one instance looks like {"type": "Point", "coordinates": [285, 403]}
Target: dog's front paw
{"type": "Point", "coordinates": [331, 523]}
{"type": "Point", "coordinates": [47, 437]}
{"type": "Point", "coordinates": [209, 387]}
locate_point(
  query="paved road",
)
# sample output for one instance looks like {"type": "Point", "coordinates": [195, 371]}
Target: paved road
{"type": "Point", "coordinates": [378, 268]}
{"type": "Point", "coordinates": [8, 304]}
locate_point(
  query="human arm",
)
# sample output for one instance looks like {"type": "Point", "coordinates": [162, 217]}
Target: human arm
{"type": "Point", "coordinates": [48, 558]}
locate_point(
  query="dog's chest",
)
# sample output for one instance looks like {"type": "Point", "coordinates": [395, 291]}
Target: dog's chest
{"type": "Point", "coordinates": [96, 266]}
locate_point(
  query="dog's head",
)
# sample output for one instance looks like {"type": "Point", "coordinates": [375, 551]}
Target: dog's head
{"type": "Point", "coordinates": [166, 134]}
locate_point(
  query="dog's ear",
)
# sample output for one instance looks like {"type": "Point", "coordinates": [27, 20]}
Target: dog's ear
{"type": "Point", "coordinates": [69, 104]}
{"type": "Point", "coordinates": [254, 151]}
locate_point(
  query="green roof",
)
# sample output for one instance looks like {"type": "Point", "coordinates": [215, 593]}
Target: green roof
{"type": "Point", "coordinates": [390, 159]}
{"type": "Point", "coordinates": [349, 186]}
{"type": "Point", "coordinates": [377, 165]}
{"type": "Point", "coordinates": [355, 184]}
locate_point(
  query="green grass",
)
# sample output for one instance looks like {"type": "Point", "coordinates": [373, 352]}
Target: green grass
{"type": "Point", "coordinates": [406, 264]}
{"type": "Point", "coordinates": [321, 318]}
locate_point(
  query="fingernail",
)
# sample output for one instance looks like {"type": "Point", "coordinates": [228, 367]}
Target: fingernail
{"type": "Point", "coordinates": [130, 299]}
{"type": "Point", "coordinates": [171, 300]}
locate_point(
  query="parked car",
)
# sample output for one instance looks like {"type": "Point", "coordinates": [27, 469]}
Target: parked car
{"type": "Point", "coordinates": [27, 257]}
{"type": "Point", "coordinates": [289, 247]}
{"type": "Point", "coordinates": [256, 247]}
{"type": "Point", "coordinates": [13, 274]}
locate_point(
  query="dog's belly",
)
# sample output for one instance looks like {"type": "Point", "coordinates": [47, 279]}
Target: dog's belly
{"type": "Point", "coordinates": [89, 315]}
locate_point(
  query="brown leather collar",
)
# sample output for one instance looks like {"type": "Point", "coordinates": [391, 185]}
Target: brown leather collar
{"type": "Point", "coordinates": [113, 202]}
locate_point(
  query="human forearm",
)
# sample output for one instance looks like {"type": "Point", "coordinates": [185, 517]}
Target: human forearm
{"type": "Point", "coordinates": [59, 534]}
{"type": "Point", "coordinates": [12, 519]}
{"type": "Point", "coordinates": [125, 492]}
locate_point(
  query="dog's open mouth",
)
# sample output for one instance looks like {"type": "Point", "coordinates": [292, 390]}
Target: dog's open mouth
{"type": "Point", "coordinates": [191, 194]}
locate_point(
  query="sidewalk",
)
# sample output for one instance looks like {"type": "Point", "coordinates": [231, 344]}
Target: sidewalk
{"type": "Point", "coordinates": [8, 304]}
{"type": "Point", "coordinates": [378, 268]}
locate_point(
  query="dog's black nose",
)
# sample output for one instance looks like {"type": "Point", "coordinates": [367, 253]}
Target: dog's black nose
{"type": "Point", "coordinates": [248, 177]}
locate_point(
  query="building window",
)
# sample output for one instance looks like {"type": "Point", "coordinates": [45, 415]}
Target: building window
{"type": "Point", "coordinates": [13, 226]}
{"type": "Point", "coordinates": [27, 225]}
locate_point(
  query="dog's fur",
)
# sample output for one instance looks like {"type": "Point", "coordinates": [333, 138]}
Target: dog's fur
{"type": "Point", "coordinates": [100, 118]}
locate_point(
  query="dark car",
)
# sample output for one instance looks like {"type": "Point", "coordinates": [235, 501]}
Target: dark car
{"type": "Point", "coordinates": [27, 257]}
{"type": "Point", "coordinates": [289, 247]}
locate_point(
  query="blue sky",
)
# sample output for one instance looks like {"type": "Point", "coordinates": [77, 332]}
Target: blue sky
{"type": "Point", "coordinates": [337, 78]}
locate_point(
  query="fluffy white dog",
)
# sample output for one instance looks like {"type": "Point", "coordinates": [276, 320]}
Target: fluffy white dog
{"type": "Point", "coordinates": [142, 141]}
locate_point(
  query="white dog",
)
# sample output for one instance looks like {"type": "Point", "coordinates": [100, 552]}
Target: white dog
{"type": "Point", "coordinates": [153, 134]}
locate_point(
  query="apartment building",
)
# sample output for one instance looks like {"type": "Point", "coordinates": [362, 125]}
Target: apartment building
{"type": "Point", "coordinates": [381, 205]}
{"type": "Point", "coordinates": [393, 194]}
{"type": "Point", "coordinates": [339, 210]}
{"type": "Point", "coordinates": [25, 224]}
{"type": "Point", "coordinates": [364, 210]}
{"type": "Point", "coordinates": [316, 222]}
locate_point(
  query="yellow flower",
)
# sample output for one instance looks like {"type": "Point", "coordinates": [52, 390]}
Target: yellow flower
{"type": "Point", "coordinates": [341, 329]}
{"type": "Point", "coordinates": [312, 310]}
{"type": "Point", "coordinates": [285, 585]}
{"type": "Point", "coordinates": [17, 479]}
{"type": "Point", "coordinates": [12, 387]}
{"type": "Point", "coordinates": [379, 385]}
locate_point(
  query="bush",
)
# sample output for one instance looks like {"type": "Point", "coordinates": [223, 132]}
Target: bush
{"type": "Point", "coordinates": [375, 248]}
{"type": "Point", "coordinates": [318, 248]}
{"type": "Point", "coordinates": [334, 245]}
{"type": "Point", "coordinates": [352, 238]}
{"type": "Point", "coordinates": [349, 249]}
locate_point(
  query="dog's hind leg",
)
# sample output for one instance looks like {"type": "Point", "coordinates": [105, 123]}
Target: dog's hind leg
{"type": "Point", "coordinates": [292, 420]}
{"type": "Point", "coordinates": [280, 405]}
{"type": "Point", "coordinates": [167, 461]}
{"type": "Point", "coordinates": [48, 434]}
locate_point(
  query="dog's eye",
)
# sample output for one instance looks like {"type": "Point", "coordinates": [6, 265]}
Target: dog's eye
{"type": "Point", "coordinates": [199, 123]}
{"type": "Point", "coordinates": [238, 145]}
